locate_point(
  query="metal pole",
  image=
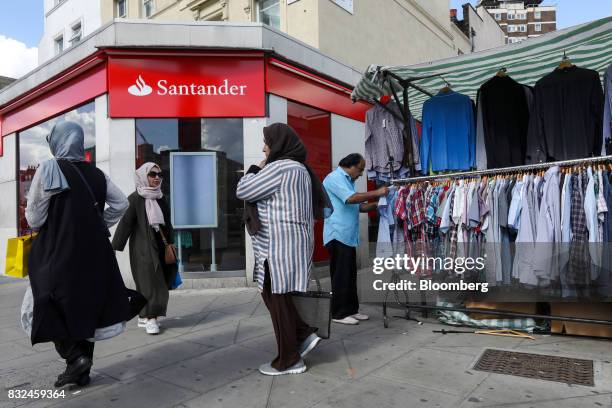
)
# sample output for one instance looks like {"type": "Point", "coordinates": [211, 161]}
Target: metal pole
{"type": "Point", "coordinates": [510, 314]}
{"type": "Point", "coordinates": [213, 265]}
{"type": "Point", "coordinates": [180, 253]}
{"type": "Point", "coordinates": [501, 170]}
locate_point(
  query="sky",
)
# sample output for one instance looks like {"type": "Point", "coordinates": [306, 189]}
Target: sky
{"type": "Point", "coordinates": [21, 27]}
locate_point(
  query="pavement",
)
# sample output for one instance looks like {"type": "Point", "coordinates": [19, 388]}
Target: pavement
{"type": "Point", "coordinates": [214, 340]}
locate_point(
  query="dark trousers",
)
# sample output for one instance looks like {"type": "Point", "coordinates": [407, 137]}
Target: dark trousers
{"type": "Point", "coordinates": [343, 271]}
{"type": "Point", "coordinates": [289, 328]}
{"type": "Point", "coordinates": [71, 350]}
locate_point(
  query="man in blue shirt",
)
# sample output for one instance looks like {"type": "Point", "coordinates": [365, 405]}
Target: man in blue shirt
{"type": "Point", "coordinates": [341, 235]}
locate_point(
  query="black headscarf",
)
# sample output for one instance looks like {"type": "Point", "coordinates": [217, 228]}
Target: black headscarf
{"type": "Point", "coordinates": [284, 143]}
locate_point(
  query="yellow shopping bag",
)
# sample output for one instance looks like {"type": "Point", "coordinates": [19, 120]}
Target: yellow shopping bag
{"type": "Point", "coordinates": [17, 254]}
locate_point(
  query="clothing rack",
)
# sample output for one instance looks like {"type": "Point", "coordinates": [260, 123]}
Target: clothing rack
{"type": "Point", "coordinates": [505, 313]}
{"type": "Point", "coordinates": [503, 170]}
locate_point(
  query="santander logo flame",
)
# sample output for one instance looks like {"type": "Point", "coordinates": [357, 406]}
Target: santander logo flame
{"type": "Point", "coordinates": [140, 88]}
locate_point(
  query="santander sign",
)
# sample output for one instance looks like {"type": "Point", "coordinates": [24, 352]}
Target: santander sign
{"type": "Point", "coordinates": [173, 87]}
{"type": "Point", "coordinates": [140, 88]}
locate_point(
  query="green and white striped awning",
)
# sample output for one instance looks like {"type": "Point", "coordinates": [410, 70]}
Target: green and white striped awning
{"type": "Point", "coordinates": [588, 45]}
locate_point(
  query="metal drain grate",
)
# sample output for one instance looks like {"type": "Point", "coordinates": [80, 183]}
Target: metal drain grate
{"type": "Point", "coordinates": [542, 367]}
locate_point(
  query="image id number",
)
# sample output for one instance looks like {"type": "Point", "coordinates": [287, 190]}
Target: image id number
{"type": "Point", "coordinates": [35, 394]}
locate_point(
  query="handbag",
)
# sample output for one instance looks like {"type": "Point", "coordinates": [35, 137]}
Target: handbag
{"type": "Point", "coordinates": [169, 250]}
{"type": "Point", "coordinates": [93, 197]}
{"type": "Point", "coordinates": [17, 255]}
{"type": "Point", "coordinates": [314, 307]}
{"type": "Point", "coordinates": [178, 281]}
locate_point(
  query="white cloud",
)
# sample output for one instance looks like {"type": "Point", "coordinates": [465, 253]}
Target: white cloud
{"type": "Point", "coordinates": [17, 59]}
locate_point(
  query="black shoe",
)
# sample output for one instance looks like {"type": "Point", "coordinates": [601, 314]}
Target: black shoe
{"type": "Point", "coordinates": [74, 372]}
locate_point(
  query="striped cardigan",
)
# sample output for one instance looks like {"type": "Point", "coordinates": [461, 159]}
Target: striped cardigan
{"type": "Point", "coordinates": [283, 193]}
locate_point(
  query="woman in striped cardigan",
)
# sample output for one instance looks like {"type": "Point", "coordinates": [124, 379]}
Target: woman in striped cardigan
{"type": "Point", "coordinates": [286, 197]}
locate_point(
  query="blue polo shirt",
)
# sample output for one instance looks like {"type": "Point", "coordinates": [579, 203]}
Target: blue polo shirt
{"type": "Point", "coordinates": [343, 224]}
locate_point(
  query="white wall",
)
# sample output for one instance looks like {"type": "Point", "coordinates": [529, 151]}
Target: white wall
{"type": "Point", "coordinates": [116, 156]}
{"type": "Point", "coordinates": [348, 136]}
{"type": "Point", "coordinates": [488, 32]}
{"type": "Point", "coordinates": [61, 18]}
{"type": "Point", "coordinates": [8, 192]}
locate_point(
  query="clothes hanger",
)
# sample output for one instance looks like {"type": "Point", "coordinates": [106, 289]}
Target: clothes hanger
{"type": "Point", "coordinates": [446, 88]}
{"type": "Point", "coordinates": [565, 62]}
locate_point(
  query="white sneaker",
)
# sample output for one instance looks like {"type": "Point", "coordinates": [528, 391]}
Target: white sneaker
{"type": "Point", "coordinates": [142, 322]}
{"type": "Point", "coordinates": [152, 327]}
{"type": "Point", "coordinates": [346, 320]}
{"type": "Point", "coordinates": [309, 344]}
{"type": "Point", "coordinates": [297, 368]}
{"type": "Point", "coordinates": [360, 316]}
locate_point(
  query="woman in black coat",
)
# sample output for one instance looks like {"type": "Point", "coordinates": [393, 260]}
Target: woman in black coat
{"type": "Point", "coordinates": [76, 283]}
{"type": "Point", "coordinates": [146, 223]}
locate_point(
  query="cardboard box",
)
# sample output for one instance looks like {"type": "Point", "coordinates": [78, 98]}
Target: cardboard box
{"type": "Point", "coordinates": [602, 311]}
{"type": "Point", "coordinates": [518, 307]}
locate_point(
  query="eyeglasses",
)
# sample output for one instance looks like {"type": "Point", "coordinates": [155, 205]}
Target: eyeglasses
{"type": "Point", "coordinates": [154, 174]}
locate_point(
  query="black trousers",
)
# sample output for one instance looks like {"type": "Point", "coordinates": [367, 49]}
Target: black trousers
{"type": "Point", "coordinates": [71, 350]}
{"type": "Point", "coordinates": [289, 328]}
{"type": "Point", "coordinates": [343, 270]}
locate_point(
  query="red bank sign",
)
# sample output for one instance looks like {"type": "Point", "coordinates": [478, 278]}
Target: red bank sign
{"type": "Point", "coordinates": [158, 87]}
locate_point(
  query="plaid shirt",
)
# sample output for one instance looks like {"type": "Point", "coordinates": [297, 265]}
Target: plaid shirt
{"type": "Point", "coordinates": [579, 264]}
{"type": "Point", "coordinates": [452, 234]}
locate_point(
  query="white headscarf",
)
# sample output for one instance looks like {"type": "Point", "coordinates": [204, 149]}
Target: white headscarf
{"type": "Point", "coordinates": [150, 194]}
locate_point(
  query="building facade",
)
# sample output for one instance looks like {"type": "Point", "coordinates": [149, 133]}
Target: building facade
{"type": "Point", "coordinates": [358, 34]}
{"type": "Point", "coordinates": [5, 81]}
{"type": "Point", "coordinates": [480, 31]}
{"type": "Point", "coordinates": [145, 90]}
{"type": "Point", "coordinates": [522, 19]}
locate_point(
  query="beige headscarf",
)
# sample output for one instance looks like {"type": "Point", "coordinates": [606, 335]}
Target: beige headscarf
{"type": "Point", "coordinates": [150, 194]}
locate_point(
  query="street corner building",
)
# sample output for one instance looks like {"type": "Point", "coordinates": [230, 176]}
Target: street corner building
{"type": "Point", "coordinates": [142, 90]}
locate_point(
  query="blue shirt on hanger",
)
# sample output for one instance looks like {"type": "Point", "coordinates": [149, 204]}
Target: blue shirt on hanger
{"type": "Point", "coordinates": [449, 133]}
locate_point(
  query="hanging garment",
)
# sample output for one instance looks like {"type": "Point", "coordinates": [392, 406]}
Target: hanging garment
{"type": "Point", "coordinates": [548, 229]}
{"type": "Point", "coordinates": [448, 141]}
{"type": "Point", "coordinates": [525, 249]}
{"type": "Point", "coordinates": [607, 120]}
{"type": "Point", "coordinates": [505, 121]}
{"type": "Point", "coordinates": [384, 138]}
{"type": "Point", "coordinates": [566, 121]}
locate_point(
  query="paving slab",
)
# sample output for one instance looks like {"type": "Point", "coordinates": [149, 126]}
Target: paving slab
{"type": "Point", "coordinates": [214, 369]}
{"type": "Point", "coordinates": [383, 394]}
{"type": "Point", "coordinates": [140, 392]}
{"type": "Point", "coordinates": [507, 388]}
{"type": "Point", "coordinates": [434, 369]}
{"type": "Point", "coordinates": [131, 363]}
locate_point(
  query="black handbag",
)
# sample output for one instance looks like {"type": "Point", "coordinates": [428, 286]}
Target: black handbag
{"type": "Point", "coordinates": [314, 307]}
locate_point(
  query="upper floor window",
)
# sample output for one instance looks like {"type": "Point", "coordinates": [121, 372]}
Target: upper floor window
{"type": "Point", "coordinates": [268, 12]}
{"type": "Point", "coordinates": [77, 34]}
{"type": "Point", "coordinates": [522, 28]}
{"type": "Point", "coordinates": [58, 44]}
{"type": "Point", "coordinates": [537, 15]}
{"type": "Point", "coordinates": [511, 16]}
{"type": "Point", "coordinates": [121, 8]}
{"type": "Point", "coordinates": [521, 16]}
{"type": "Point", "coordinates": [498, 16]}
{"type": "Point", "coordinates": [538, 27]}
{"type": "Point", "coordinates": [511, 28]}
{"type": "Point", "coordinates": [148, 8]}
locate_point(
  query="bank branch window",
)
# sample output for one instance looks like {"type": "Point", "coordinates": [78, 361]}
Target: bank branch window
{"type": "Point", "coordinates": [34, 149]}
{"type": "Point", "coordinates": [156, 139]}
